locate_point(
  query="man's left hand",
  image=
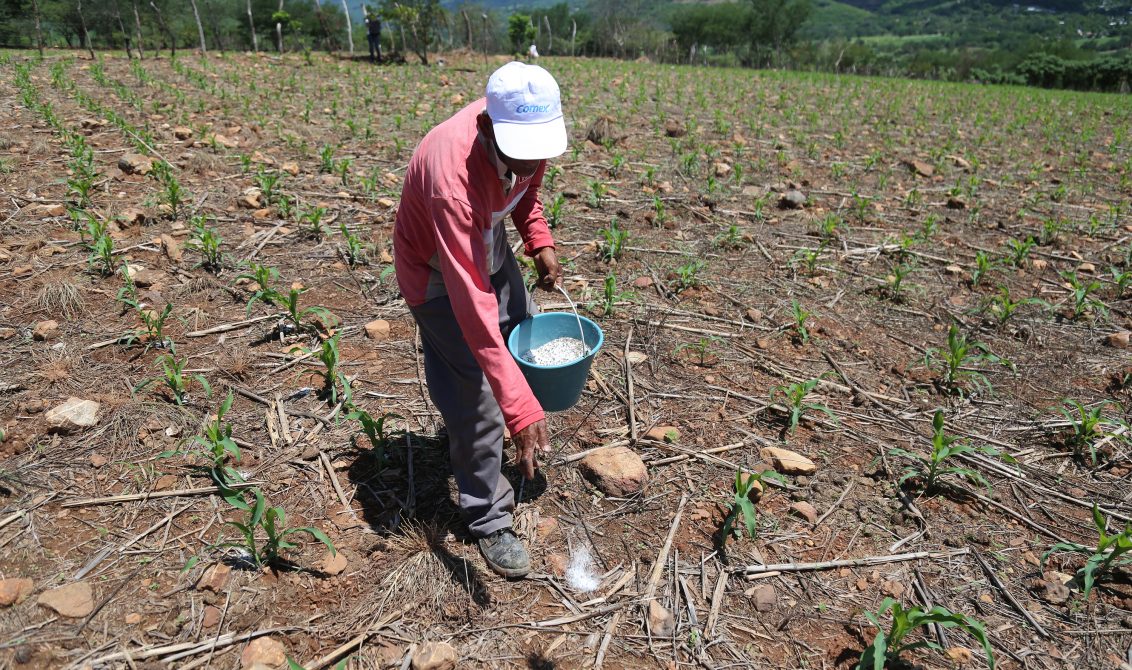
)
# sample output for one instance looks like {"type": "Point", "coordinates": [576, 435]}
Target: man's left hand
{"type": "Point", "coordinates": [549, 272]}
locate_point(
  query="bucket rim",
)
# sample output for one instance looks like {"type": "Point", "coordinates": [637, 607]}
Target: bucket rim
{"type": "Point", "coordinates": [534, 366]}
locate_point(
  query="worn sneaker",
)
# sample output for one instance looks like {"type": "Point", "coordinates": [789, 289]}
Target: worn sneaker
{"type": "Point", "coordinates": [505, 553]}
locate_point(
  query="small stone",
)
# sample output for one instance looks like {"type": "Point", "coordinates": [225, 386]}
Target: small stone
{"type": "Point", "coordinates": [435, 656]}
{"type": "Point", "coordinates": [960, 655]}
{"type": "Point", "coordinates": [74, 600]}
{"type": "Point", "coordinates": [215, 578]}
{"type": "Point", "coordinates": [74, 415]}
{"type": "Point", "coordinates": [953, 270]}
{"type": "Point", "coordinates": [1126, 621]}
{"type": "Point", "coordinates": [956, 203]}
{"type": "Point", "coordinates": [53, 210]}
{"type": "Point", "coordinates": [664, 434]}
{"type": "Point", "coordinates": [133, 618]}
{"type": "Point", "coordinates": [291, 168]}
{"type": "Point", "coordinates": [920, 167]}
{"type": "Point", "coordinates": [378, 329]}
{"type": "Point", "coordinates": [148, 278]}
{"type": "Point", "coordinates": [792, 199]}
{"type": "Point", "coordinates": [211, 617]}
{"type": "Point", "coordinates": [1052, 591]}
{"type": "Point", "coordinates": [754, 315]}
{"type": "Point", "coordinates": [1029, 557]}
{"type": "Point", "coordinates": [132, 163]}
{"type": "Point", "coordinates": [615, 471]}
{"type": "Point", "coordinates": [893, 589]}
{"type": "Point", "coordinates": [267, 651]}
{"type": "Point", "coordinates": [636, 357]}
{"type": "Point", "coordinates": [547, 526]}
{"type": "Point", "coordinates": [1119, 340]}
{"type": "Point", "coordinates": [1039, 264]}
{"type": "Point", "coordinates": [45, 330]}
{"type": "Point", "coordinates": [788, 462]}
{"type": "Point", "coordinates": [385, 203]}
{"type": "Point", "coordinates": [252, 198]}
{"type": "Point", "coordinates": [764, 598]}
{"type": "Point", "coordinates": [557, 564]}
{"type": "Point", "coordinates": [642, 282]}
{"type": "Point", "coordinates": [722, 170]}
{"type": "Point", "coordinates": [165, 483]}
{"type": "Point", "coordinates": [14, 591]}
{"type": "Point", "coordinates": [661, 621]}
{"type": "Point", "coordinates": [862, 584]}
{"type": "Point", "coordinates": [334, 563]}
{"type": "Point", "coordinates": [673, 128]}
{"type": "Point", "coordinates": [986, 598]}
{"type": "Point", "coordinates": [132, 217]}
{"type": "Point", "coordinates": [804, 510]}
{"type": "Point", "coordinates": [262, 213]}
{"type": "Point", "coordinates": [182, 133]}
{"type": "Point", "coordinates": [1087, 268]}
{"type": "Point", "coordinates": [756, 487]}
{"type": "Point", "coordinates": [171, 247]}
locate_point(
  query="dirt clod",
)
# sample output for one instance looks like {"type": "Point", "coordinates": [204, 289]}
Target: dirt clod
{"type": "Point", "coordinates": [615, 471]}
{"type": "Point", "coordinates": [74, 600]}
{"type": "Point", "coordinates": [434, 656]}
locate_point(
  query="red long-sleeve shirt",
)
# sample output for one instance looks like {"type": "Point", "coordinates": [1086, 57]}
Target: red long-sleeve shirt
{"type": "Point", "coordinates": [450, 238]}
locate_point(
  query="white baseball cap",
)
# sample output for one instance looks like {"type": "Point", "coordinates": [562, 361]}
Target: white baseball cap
{"type": "Point", "coordinates": [526, 112]}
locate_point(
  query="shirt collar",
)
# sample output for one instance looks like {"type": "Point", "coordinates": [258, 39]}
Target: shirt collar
{"type": "Point", "coordinates": [505, 176]}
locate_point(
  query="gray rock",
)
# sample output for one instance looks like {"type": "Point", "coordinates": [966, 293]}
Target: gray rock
{"type": "Point", "coordinates": [792, 199]}
{"type": "Point", "coordinates": [72, 416]}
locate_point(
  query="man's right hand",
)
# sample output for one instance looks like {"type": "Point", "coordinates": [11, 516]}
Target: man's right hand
{"type": "Point", "coordinates": [528, 442]}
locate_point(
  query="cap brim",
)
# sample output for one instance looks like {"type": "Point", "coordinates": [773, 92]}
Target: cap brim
{"type": "Point", "coordinates": [531, 141]}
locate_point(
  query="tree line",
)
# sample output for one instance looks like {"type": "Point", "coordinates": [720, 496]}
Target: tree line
{"type": "Point", "coordinates": [965, 45]}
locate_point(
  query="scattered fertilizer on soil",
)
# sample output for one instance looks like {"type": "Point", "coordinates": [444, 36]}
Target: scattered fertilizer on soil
{"type": "Point", "coordinates": [580, 572]}
{"type": "Point", "coordinates": [556, 352]}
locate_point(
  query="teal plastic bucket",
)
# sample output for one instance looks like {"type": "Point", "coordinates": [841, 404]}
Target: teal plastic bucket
{"type": "Point", "coordinates": [557, 387]}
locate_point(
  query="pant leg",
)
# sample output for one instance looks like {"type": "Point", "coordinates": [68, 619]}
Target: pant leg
{"type": "Point", "coordinates": [463, 396]}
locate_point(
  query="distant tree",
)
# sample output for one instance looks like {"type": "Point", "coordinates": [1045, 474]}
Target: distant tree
{"type": "Point", "coordinates": [774, 24]}
{"type": "Point", "coordinates": [418, 18]}
{"type": "Point", "coordinates": [520, 31]}
{"type": "Point", "coordinates": [722, 26]}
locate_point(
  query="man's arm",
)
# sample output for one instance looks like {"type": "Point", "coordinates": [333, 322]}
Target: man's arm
{"type": "Point", "coordinates": [538, 243]}
{"type": "Point", "coordinates": [463, 263]}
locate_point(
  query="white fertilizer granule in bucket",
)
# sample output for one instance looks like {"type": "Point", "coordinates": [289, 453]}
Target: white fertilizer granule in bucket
{"type": "Point", "coordinates": [558, 351]}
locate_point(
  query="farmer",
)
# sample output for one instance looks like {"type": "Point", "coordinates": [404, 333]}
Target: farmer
{"type": "Point", "coordinates": [373, 34]}
{"type": "Point", "coordinates": [463, 286]}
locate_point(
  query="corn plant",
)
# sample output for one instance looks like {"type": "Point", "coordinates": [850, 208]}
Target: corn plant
{"type": "Point", "coordinates": [1088, 427]}
{"type": "Point", "coordinates": [172, 194]}
{"type": "Point", "coordinates": [268, 183]}
{"type": "Point", "coordinates": [610, 296]}
{"type": "Point", "coordinates": [794, 397]}
{"type": "Point", "coordinates": [263, 276]}
{"type": "Point", "coordinates": [1019, 250]}
{"type": "Point", "coordinates": [207, 242]}
{"type": "Point", "coordinates": [687, 275]}
{"type": "Point", "coordinates": [984, 264]}
{"type": "Point", "coordinates": [374, 428]}
{"type": "Point", "coordinates": [272, 522]}
{"type": "Point", "coordinates": [1122, 280]}
{"type": "Point", "coordinates": [554, 210]}
{"type": "Point", "coordinates": [312, 218]}
{"type": "Point", "coordinates": [216, 446]}
{"type": "Point", "coordinates": [944, 448]}
{"type": "Point", "coordinates": [800, 314]}
{"type": "Point", "coordinates": [1109, 554]}
{"type": "Point", "coordinates": [742, 504]}
{"type": "Point", "coordinates": [886, 648]}
{"type": "Point", "coordinates": [831, 226]}
{"type": "Point", "coordinates": [297, 315]}
{"type": "Point", "coordinates": [701, 347]}
{"type": "Point", "coordinates": [153, 334]}
{"type": "Point", "coordinates": [128, 294]}
{"type": "Point", "coordinates": [355, 251]}
{"type": "Point", "coordinates": [101, 258]}
{"type": "Point", "coordinates": [660, 214]}
{"type": "Point", "coordinates": [598, 191]}
{"type": "Point", "coordinates": [895, 279]}
{"type": "Point", "coordinates": [808, 259]}
{"type": "Point", "coordinates": [330, 356]}
{"type": "Point", "coordinates": [1081, 294]}
{"type": "Point", "coordinates": [615, 240]}
{"type": "Point", "coordinates": [732, 238]}
{"type": "Point", "coordinates": [175, 379]}
{"type": "Point", "coordinates": [326, 160]}
{"type": "Point", "coordinates": [1002, 307]}
{"type": "Point", "coordinates": [953, 362]}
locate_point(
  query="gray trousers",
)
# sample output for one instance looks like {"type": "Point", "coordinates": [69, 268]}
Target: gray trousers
{"type": "Point", "coordinates": [460, 391]}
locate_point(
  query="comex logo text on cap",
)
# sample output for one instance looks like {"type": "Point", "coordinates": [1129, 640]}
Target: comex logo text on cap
{"type": "Point", "coordinates": [532, 109]}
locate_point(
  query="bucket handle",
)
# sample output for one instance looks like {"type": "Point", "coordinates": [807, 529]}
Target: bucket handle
{"type": "Point", "coordinates": [581, 331]}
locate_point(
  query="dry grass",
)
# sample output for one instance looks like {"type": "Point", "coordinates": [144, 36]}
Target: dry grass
{"type": "Point", "coordinates": [61, 298]}
{"type": "Point", "coordinates": [203, 162]}
{"type": "Point", "coordinates": [427, 572]}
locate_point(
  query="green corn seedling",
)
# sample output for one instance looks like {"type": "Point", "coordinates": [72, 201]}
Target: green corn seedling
{"type": "Point", "coordinates": [355, 251]}
{"type": "Point", "coordinates": [272, 522]}
{"type": "Point", "coordinates": [375, 429]}
{"type": "Point", "coordinates": [1019, 250]}
{"type": "Point", "coordinates": [984, 264]}
{"type": "Point", "coordinates": [800, 314]}
{"type": "Point", "coordinates": [615, 240]}
{"type": "Point", "coordinates": [953, 363]}
{"type": "Point", "coordinates": [263, 276]}
{"type": "Point", "coordinates": [333, 377]}
{"type": "Point", "coordinates": [945, 448]}
{"type": "Point", "coordinates": [687, 275]}
{"type": "Point", "coordinates": [743, 505]}
{"type": "Point", "coordinates": [794, 397]}
{"type": "Point", "coordinates": [886, 648]}
{"type": "Point", "coordinates": [175, 379]}
{"type": "Point", "coordinates": [207, 242]}
{"type": "Point", "coordinates": [701, 347]}
{"type": "Point", "coordinates": [216, 446]}
{"type": "Point", "coordinates": [1109, 553]}
{"type": "Point", "coordinates": [1088, 427]}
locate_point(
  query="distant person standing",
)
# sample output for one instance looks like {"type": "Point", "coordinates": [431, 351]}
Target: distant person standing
{"type": "Point", "coordinates": [373, 34]}
{"type": "Point", "coordinates": [532, 53]}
